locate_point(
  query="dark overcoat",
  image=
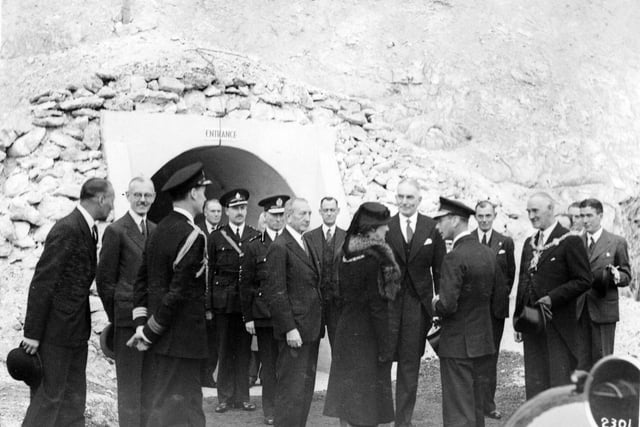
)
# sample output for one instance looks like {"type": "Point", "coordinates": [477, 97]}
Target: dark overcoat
{"type": "Point", "coordinates": [253, 281]}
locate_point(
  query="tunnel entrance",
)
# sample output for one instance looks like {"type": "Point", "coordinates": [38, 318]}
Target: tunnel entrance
{"type": "Point", "coordinates": [227, 168]}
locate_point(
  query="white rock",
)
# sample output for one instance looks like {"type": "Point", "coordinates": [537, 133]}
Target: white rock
{"type": "Point", "coordinates": [26, 144]}
{"type": "Point", "coordinates": [33, 197]}
{"type": "Point", "coordinates": [213, 91]}
{"type": "Point", "coordinates": [21, 229]}
{"type": "Point", "coordinates": [154, 96]}
{"type": "Point", "coordinates": [90, 102]}
{"type": "Point", "coordinates": [217, 105]}
{"type": "Point", "coordinates": [26, 242]}
{"type": "Point", "coordinates": [16, 184]}
{"type": "Point", "coordinates": [137, 83]}
{"type": "Point", "coordinates": [54, 208]}
{"type": "Point", "coordinates": [171, 84]}
{"type": "Point", "coordinates": [68, 189]}
{"type": "Point", "coordinates": [40, 235]}
{"type": "Point", "coordinates": [74, 132]}
{"type": "Point", "coordinates": [106, 92]}
{"type": "Point", "coordinates": [195, 101]}
{"type": "Point", "coordinates": [262, 111]}
{"type": "Point", "coordinates": [80, 122]}
{"type": "Point", "coordinates": [7, 231]}
{"type": "Point", "coordinates": [7, 136]}
{"type": "Point", "coordinates": [21, 210]}
{"type": "Point", "coordinates": [51, 151]}
{"type": "Point", "coordinates": [93, 83]}
{"type": "Point", "coordinates": [5, 248]}
{"type": "Point", "coordinates": [48, 184]}
{"type": "Point", "coordinates": [92, 136]}
{"type": "Point", "coordinates": [62, 139]}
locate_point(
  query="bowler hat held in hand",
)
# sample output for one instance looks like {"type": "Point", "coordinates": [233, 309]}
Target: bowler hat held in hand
{"type": "Point", "coordinates": [531, 320]}
{"type": "Point", "coordinates": [24, 367]}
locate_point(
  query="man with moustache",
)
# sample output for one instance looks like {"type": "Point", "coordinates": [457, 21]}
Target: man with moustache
{"type": "Point", "coordinates": [169, 307]}
{"type": "Point", "coordinates": [120, 257]}
{"type": "Point", "coordinates": [325, 243]}
{"type": "Point", "coordinates": [503, 250]}
{"type": "Point", "coordinates": [255, 308]}
{"type": "Point", "coordinates": [226, 250]}
{"type": "Point", "coordinates": [210, 222]}
{"type": "Point", "coordinates": [419, 250]}
{"type": "Point", "coordinates": [57, 325]}
{"type": "Point", "coordinates": [467, 284]}
{"type": "Point", "coordinates": [554, 272]}
{"type": "Point", "coordinates": [598, 310]}
{"type": "Point", "coordinates": [296, 315]}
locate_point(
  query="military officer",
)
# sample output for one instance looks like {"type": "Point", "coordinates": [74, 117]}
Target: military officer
{"type": "Point", "coordinates": [255, 310]}
{"type": "Point", "coordinates": [226, 249]}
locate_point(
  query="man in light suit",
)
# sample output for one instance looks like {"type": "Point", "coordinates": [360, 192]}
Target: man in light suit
{"type": "Point", "coordinates": [466, 348]}
{"type": "Point", "coordinates": [554, 272]}
{"type": "Point", "coordinates": [296, 315]}
{"type": "Point", "coordinates": [598, 308]}
{"type": "Point", "coordinates": [419, 250]}
{"type": "Point", "coordinates": [325, 243]}
{"type": "Point", "coordinates": [58, 320]}
{"type": "Point", "coordinates": [503, 249]}
{"type": "Point", "coordinates": [120, 257]}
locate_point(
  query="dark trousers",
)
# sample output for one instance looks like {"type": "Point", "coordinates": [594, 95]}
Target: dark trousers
{"type": "Point", "coordinates": [414, 325]}
{"type": "Point", "coordinates": [210, 363]}
{"type": "Point", "coordinates": [331, 313]}
{"type": "Point", "coordinates": [548, 361]}
{"type": "Point", "coordinates": [171, 391]}
{"type": "Point", "coordinates": [129, 378]}
{"type": "Point", "coordinates": [597, 341]}
{"type": "Point", "coordinates": [268, 349]}
{"type": "Point", "coordinates": [60, 398]}
{"type": "Point", "coordinates": [463, 389]}
{"type": "Point", "coordinates": [234, 349]}
{"type": "Point", "coordinates": [296, 378]}
{"type": "Point", "coordinates": [492, 367]}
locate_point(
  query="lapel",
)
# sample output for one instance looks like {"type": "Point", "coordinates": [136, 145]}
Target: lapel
{"type": "Point", "coordinates": [314, 241]}
{"type": "Point", "coordinates": [295, 248]}
{"type": "Point", "coordinates": [419, 236]}
{"type": "Point", "coordinates": [600, 247]}
{"type": "Point", "coordinates": [496, 241]}
{"type": "Point", "coordinates": [133, 231]}
{"type": "Point", "coordinates": [338, 240]}
{"type": "Point", "coordinates": [396, 241]}
{"type": "Point", "coordinates": [557, 232]}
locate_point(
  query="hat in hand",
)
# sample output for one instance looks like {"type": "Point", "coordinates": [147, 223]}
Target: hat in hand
{"type": "Point", "coordinates": [25, 367]}
{"type": "Point", "coordinates": [106, 341]}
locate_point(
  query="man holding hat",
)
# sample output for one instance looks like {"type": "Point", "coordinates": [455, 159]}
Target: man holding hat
{"type": "Point", "coordinates": [255, 309]}
{"type": "Point", "coordinates": [120, 257]}
{"type": "Point", "coordinates": [467, 281]}
{"type": "Point", "coordinates": [169, 307]}
{"type": "Point", "coordinates": [57, 325]}
{"type": "Point", "coordinates": [226, 249]}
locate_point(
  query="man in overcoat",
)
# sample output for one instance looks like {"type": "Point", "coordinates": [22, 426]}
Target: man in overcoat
{"type": "Point", "coordinates": [419, 250]}
{"type": "Point", "coordinates": [296, 314]}
{"type": "Point", "coordinates": [169, 308]}
{"type": "Point", "coordinates": [120, 257]}
{"type": "Point", "coordinates": [467, 285]}
{"type": "Point", "coordinates": [554, 272]}
{"type": "Point", "coordinates": [58, 320]}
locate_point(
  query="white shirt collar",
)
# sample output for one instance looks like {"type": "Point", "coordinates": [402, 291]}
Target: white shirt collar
{"type": "Point", "coordinates": [184, 212]}
{"type": "Point", "coordinates": [459, 236]}
{"type": "Point", "coordinates": [87, 216]}
{"type": "Point", "coordinates": [595, 236]}
{"type": "Point", "coordinates": [326, 227]}
{"type": "Point", "coordinates": [547, 232]}
{"type": "Point", "coordinates": [136, 217]}
{"type": "Point", "coordinates": [413, 218]}
{"type": "Point", "coordinates": [210, 227]}
{"type": "Point", "coordinates": [235, 227]}
{"type": "Point", "coordinates": [488, 233]}
{"type": "Point", "coordinates": [296, 236]}
{"type": "Point", "coordinates": [271, 233]}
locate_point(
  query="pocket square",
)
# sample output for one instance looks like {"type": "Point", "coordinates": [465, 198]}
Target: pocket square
{"type": "Point", "coordinates": [501, 251]}
{"type": "Point", "coordinates": [552, 259]}
{"type": "Point", "coordinates": [608, 254]}
{"type": "Point", "coordinates": [428, 242]}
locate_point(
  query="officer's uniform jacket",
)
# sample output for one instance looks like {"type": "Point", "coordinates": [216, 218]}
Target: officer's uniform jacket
{"type": "Point", "coordinates": [253, 280]}
{"type": "Point", "coordinates": [225, 267]}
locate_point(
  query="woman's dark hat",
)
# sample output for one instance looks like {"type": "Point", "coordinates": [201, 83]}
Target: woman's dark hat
{"type": "Point", "coordinates": [25, 367]}
{"type": "Point", "coordinates": [106, 341]}
{"type": "Point", "coordinates": [369, 215]}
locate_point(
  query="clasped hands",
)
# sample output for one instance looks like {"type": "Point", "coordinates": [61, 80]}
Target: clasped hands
{"type": "Point", "coordinates": [138, 341]}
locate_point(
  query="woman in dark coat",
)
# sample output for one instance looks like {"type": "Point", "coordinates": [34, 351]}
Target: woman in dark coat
{"type": "Point", "coordinates": [359, 391]}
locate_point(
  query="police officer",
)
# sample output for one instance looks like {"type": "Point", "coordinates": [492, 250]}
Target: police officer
{"type": "Point", "coordinates": [255, 310]}
{"type": "Point", "coordinates": [226, 249]}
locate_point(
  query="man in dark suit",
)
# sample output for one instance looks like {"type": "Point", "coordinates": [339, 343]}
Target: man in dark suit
{"type": "Point", "coordinates": [210, 222]}
{"type": "Point", "coordinates": [467, 283]}
{"type": "Point", "coordinates": [324, 243]}
{"type": "Point", "coordinates": [255, 308]}
{"type": "Point", "coordinates": [58, 321]}
{"type": "Point", "coordinates": [503, 249]}
{"type": "Point", "coordinates": [419, 250]}
{"type": "Point", "coordinates": [169, 309]}
{"type": "Point", "coordinates": [554, 272]}
{"type": "Point", "coordinates": [226, 248]}
{"type": "Point", "coordinates": [598, 308]}
{"type": "Point", "coordinates": [296, 314]}
{"type": "Point", "coordinates": [120, 257]}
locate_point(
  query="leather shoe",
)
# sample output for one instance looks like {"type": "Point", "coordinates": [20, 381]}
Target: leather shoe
{"type": "Point", "coordinates": [495, 414]}
{"type": "Point", "coordinates": [246, 406]}
{"type": "Point", "coordinates": [268, 421]}
{"type": "Point", "coordinates": [222, 407]}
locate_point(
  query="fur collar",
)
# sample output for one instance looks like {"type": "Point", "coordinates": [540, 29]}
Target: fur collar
{"type": "Point", "coordinates": [389, 277]}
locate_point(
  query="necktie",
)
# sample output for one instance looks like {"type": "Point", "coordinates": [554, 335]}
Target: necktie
{"type": "Point", "coordinates": [484, 238]}
{"type": "Point", "coordinates": [94, 233]}
{"type": "Point", "coordinates": [329, 235]}
{"type": "Point", "coordinates": [143, 228]}
{"type": "Point", "coordinates": [409, 231]}
{"type": "Point", "coordinates": [592, 243]}
{"type": "Point", "coordinates": [238, 233]}
{"type": "Point", "coordinates": [539, 239]}
{"type": "Point", "coordinates": [276, 236]}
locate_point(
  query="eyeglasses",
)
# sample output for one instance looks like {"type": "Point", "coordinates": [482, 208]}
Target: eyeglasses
{"type": "Point", "coordinates": [139, 196]}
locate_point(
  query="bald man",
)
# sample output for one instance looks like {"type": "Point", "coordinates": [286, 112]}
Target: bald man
{"type": "Point", "coordinates": [120, 257]}
{"type": "Point", "coordinates": [554, 272]}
